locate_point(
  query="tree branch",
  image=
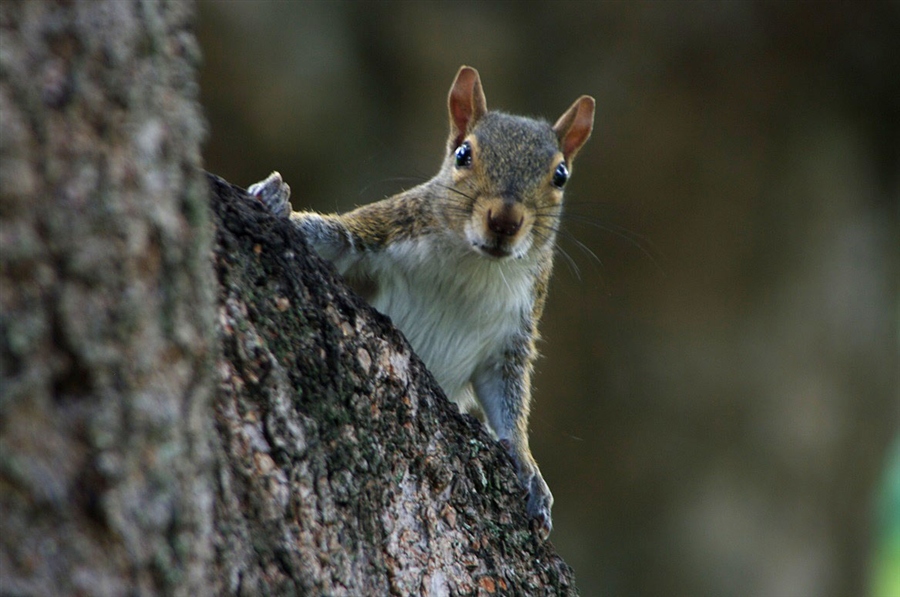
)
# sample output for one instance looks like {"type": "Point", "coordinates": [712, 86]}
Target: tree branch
{"type": "Point", "coordinates": [342, 467]}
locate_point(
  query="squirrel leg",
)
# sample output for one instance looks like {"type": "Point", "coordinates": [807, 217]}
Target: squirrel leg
{"type": "Point", "coordinates": [504, 396]}
{"type": "Point", "coordinates": [328, 235]}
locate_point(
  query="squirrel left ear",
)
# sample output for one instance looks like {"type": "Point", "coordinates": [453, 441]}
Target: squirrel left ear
{"type": "Point", "coordinates": [467, 104]}
{"type": "Point", "coordinates": [574, 127]}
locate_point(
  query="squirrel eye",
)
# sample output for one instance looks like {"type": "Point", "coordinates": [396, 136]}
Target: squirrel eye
{"type": "Point", "coordinates": [560, 176]}
{"type": "Point", "coordinates": [464, 155]}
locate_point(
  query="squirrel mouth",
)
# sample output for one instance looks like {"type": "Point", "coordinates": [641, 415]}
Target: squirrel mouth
{"type": "Point", "coordinates": [494, 246]}
{"type": "Point", "coordinates": [497, 251]}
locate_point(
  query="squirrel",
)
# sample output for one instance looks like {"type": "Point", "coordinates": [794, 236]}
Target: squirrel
{"type": "Point", "coordinates": [461, 263]}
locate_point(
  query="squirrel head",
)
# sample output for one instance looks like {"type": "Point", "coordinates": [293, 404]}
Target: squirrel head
{"type": "Point", "coordinates": [506, 174]}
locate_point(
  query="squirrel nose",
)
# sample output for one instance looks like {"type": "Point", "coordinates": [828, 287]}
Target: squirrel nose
{"type": "Point", "coordinates": [504, 223]}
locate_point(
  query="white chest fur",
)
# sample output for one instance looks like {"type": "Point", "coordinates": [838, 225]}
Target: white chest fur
{"type": "Point", "coordinates": [458, 309]}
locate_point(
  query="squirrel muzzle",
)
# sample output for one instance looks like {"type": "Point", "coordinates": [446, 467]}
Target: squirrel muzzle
{"type": "Point", "coordinates": [501, 227]}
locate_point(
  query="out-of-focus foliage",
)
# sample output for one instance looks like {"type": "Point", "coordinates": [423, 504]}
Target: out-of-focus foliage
{"type": "Point", "coordinates": [719, 382]}
{"type": "Point", "coordinates": [886, 576]}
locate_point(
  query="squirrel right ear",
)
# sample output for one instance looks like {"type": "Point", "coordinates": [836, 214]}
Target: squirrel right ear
{"type": "Point", "coordinates": [467, 104]}
{"type": "Point", "coordinates": [574, 127]}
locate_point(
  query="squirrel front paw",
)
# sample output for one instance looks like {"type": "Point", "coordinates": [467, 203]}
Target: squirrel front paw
{"type": "Point", "coordinates": [540, 500]}
{"type": "Point", "coordinates": [274, 193]}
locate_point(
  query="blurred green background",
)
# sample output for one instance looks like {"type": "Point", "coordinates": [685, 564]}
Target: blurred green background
{"type": "Point", "coordinates": [718, 395]}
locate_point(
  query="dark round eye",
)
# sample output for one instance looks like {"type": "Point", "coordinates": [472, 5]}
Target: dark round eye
{"type": "Point", "coordinates": [464, 155]}
{"type": "Point", "coordinates": [560, 176]}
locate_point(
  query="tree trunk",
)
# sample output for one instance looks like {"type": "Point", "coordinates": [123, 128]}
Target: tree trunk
{"type": "Point", "coordinates": [107, 298]}
{"type": "Point", "coordinates": [322, 459]}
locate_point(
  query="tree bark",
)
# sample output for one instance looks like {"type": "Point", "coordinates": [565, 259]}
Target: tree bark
{"type": "Point", "coordinates": [282, 439]}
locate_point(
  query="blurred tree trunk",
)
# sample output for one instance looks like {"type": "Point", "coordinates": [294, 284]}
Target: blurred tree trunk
{"type": "Point", "coordinates": [323, 460]}
{"type": "Point", "coordinates": [107, 353]}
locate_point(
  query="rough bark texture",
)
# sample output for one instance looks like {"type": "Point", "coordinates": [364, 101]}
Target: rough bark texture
{"type": "Point", "coordinates": [344, 470]}
{"type": "Point", "coordinates": [327, 463]}
{"type": "Point", "coordinates": [106, 332]}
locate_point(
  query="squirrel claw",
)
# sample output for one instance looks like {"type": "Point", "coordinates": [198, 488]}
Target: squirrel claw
{"type": "Point", "coordinates": [274, 193]}
{"type": "Point", "coordinates": [540, 500]}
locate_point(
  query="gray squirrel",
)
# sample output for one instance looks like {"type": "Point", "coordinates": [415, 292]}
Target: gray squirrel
{"type": "Point", "coordinates": [461, 263]}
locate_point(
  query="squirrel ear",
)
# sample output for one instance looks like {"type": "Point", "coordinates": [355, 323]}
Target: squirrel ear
{"type": "Point", "coordinates": [466, 102]}
{"type": "Point", "coordinates": [574, 127]}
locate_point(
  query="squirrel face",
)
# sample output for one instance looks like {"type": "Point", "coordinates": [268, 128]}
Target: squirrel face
{"type": "Point", "coordinates": [507, 180]}
{"type": "Point", "coordinates": [505, 174]}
